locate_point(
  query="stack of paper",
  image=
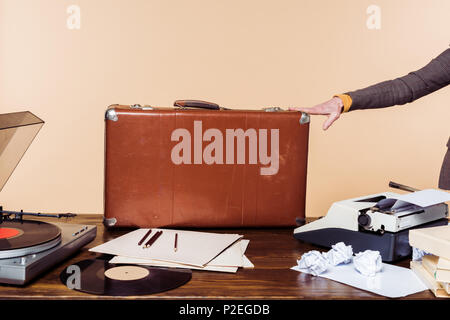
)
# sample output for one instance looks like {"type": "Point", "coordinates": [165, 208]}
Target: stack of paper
{"type": "Point", "coordinates": [434, 270]}
{"type": "Point", "coordinates": [194, 250]}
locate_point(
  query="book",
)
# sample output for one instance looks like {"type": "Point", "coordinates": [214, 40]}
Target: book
{"type": "Point", "coordinates": [430, 263]}
{"type": "Point", "coordinates": [435, 240]}
{"type": "Point", "coordinates": [437, 288]}
{"type": "Point", "coordinates": [443, 263]}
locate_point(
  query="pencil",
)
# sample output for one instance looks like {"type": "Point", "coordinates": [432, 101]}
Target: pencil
{"type": "Point", "coordinates": [153, 239]}
{"type": "Point", "coordinates": [175, 246]}
{"type": "Point", "coordinates": [145, 237]}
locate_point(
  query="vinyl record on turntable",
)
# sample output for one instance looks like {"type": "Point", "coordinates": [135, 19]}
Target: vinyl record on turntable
{"type": "Point", "coordinates": [103, 278]}
{"type": "Point", "coordinates": [18, 238]}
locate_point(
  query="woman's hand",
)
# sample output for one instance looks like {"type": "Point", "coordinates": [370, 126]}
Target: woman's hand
{"type": "Point", "coordinates": [331, 108]}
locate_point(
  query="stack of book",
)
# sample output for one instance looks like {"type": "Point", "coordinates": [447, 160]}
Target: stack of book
{"type": "Point", "coordinates": [434, 269]}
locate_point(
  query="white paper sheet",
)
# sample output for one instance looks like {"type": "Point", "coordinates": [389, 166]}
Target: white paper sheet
{"type": "Point", "coordinates": [247, 263]}
{"type": "Point", "coordinates": [392, 281]}
{"type": "Point", "coordinates": [194, 248]}
{"type": "Point", "coordinates": [423, 198]}
{"type": "Point", "coordinates": [157, 263]}
{"type": "Point", "coordinates": [232, 256]}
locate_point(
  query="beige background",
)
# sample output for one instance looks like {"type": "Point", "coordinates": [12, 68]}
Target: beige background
{"type": "Point", "coordinates": [242, 54]}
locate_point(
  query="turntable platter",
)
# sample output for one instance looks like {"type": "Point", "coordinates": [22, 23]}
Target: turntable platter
{"type": "Point", "coordinates": [18, 238]}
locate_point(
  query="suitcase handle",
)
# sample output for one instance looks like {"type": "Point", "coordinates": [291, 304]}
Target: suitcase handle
{"type": "Point", "coordinates": [196, 104]}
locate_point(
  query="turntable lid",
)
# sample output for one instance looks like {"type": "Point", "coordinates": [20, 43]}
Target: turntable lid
{"type": "Point", "coordinates": [17, 131]}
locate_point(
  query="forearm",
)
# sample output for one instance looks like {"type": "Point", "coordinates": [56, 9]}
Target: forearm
{"type": "Point", "coordinates": [413, 86]}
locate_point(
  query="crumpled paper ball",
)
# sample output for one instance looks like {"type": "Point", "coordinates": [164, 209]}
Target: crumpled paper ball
{"type": "Point", "coordinates": [314, 262]}
{"type": "Point", "coordinates": [339, 253]}
{"type": "Point", "coordinates": [368, 263]}
{"type": "Point", "coordinates": [417, 254]}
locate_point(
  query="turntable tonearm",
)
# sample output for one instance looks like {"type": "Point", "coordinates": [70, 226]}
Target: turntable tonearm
{"type": "Point", "coordinates": [29, 247]}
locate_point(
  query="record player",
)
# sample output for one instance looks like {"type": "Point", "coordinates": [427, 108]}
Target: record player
{"type": "Point", "coordinates": [29, 247]}
{"type": "Point", "coordinates": [378, 222]}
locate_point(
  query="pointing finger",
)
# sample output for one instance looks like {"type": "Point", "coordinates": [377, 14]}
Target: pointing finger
{"type": "Point", "coordinates": [313, 110]}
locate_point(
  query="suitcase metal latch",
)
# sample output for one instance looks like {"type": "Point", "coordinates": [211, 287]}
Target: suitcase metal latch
{"type": "Point", "coordinates": [138, 106]}
{"type": "Point", "coordinates": [303, 119]}
{"type": "Point", "coordinates": [273, 109]}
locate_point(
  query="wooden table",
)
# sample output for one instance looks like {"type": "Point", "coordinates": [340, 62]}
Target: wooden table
{"type": "Point", "coordinates": [272, 251]}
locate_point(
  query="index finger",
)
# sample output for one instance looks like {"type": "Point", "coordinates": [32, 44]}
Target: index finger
{"type": "Point", "coordinates": [313, 110]}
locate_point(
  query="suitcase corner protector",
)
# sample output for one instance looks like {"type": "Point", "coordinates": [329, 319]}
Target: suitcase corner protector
{"type": "Point", "coordinates": [305, 118]}
{"type": "Point", "coordinates": [109, 222]}
{"type": "Point", "coordinates": [111, 114]}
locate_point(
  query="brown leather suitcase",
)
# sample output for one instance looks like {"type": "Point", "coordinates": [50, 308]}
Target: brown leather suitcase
{"type": "Point", "coordinates": [200, 165]}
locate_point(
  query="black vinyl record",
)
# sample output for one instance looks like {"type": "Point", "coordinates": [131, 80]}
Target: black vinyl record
{"type": "Point", "coordinates": [26, 233]}
{"type": "Point", "coordinates": [99, 277]}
